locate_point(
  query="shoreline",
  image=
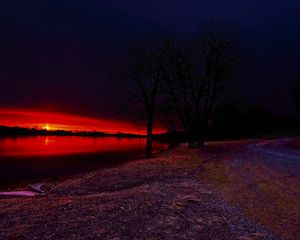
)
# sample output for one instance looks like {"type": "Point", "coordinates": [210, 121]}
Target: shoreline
{"type": "Point", "coordinates": [109, 161]}
{"type": "Point", "coordinates": [180, 194]}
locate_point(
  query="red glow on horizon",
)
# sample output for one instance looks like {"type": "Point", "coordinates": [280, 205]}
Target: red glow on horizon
{"type": "Point", "coordinates": [69, 122]}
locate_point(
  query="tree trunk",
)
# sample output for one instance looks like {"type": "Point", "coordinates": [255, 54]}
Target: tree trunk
{"type": "Point", "coordinates": [196, 142]}
{"type": "Point", "coordinates": [149, 136]}
{"type": "Point", "coordinates": [193, 144]}
{"type": "Point", "coordinates": [196, 139]}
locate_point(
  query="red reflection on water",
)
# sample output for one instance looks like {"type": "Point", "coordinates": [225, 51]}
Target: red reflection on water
{"type": "Point", "coordinates": [58, 145]}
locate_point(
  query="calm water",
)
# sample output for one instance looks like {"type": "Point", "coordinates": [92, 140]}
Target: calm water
{"type": "Point", "coordinates": [36, 158]}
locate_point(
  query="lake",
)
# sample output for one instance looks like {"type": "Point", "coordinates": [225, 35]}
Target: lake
{"type": "Point", "coordinates": [38, 157]}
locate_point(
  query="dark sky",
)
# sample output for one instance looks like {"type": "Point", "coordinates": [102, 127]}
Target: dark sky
{"type": "Point", "coordinates": [54, 54]}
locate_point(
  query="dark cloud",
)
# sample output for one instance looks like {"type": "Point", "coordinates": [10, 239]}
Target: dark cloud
{"type": "Point", "coordinates": [54, 54]}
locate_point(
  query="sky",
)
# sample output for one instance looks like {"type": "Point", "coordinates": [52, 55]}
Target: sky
{"type": "Point", "coordinates": [55, 55]}
{"type": "Point", "coordinates": [41, 119]}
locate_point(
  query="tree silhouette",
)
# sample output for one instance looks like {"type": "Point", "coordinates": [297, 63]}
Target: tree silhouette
{"type": "Point", "coordinates": [196, 77]}
{"type": "Point", "coordinates": [142, 81]}
{"type": "Point", "coordinates": [189, 77]}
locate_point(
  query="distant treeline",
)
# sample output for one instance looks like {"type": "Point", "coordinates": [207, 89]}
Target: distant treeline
{"type": "Point", "coordinates": [19, 131]}
{"type": "Point", "coordinates": [237, 121]}
{"type": "Point", "coordinates": [230, 121]}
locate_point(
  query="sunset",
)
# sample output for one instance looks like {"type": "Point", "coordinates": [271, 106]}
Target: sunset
{"type": "Point", "coordinates": [69, 122]}
{"type": "Point", "coordinates": [149, 120]}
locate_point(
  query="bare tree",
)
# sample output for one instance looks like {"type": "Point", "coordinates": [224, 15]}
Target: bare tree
{"type": "Point", "coordinates": [142, 82]}
{"type": "Point", "coordinates": [196, 77]}
{"type": "Point", "coordinates": [193, 76]}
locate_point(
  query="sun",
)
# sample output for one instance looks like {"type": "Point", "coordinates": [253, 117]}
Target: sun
{"type": "Point", "coordinates": [47, 127]}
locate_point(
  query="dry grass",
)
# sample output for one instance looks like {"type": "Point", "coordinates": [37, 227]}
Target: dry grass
{"type": "Point", "coordinates": [266, 193]}
{"type": "Point", "coordinates": [173, 196]}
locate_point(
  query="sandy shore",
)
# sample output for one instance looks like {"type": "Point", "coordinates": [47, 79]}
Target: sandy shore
{"type": "Point", "coordinates": [226, 190]}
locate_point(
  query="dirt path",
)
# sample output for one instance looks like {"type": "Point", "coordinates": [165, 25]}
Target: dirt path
{"type": "Point", "coordinates": [212, 193]}
{"type": "Point", "coordinates": [262, 179]}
